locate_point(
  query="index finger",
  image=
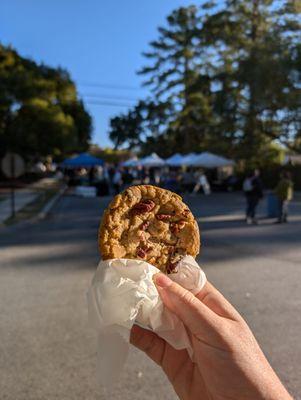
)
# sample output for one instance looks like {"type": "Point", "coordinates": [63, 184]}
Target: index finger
{"type": "Point", "coordinates": [200, 320]}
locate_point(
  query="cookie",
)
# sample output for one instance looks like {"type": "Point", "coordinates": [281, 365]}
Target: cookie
{"type": "Point", "coordinates": [149, 223]}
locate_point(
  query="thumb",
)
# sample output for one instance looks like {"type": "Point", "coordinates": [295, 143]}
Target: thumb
{"type": "Point", "coordinates": [196, 316]}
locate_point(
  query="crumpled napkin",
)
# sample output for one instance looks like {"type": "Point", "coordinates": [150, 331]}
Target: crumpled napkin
{"type": "Point", "coordinates": [123, 293]}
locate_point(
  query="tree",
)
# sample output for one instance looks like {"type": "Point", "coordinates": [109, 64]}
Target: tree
{"type": "Point", "coordinates": [147, 119]}
{"type": "Point", "coordinates": [228, 78]}
{"type": "Point", "coordinates": [254, 44]}
{"type": "Point", "coordinates": [110, 155]}
{"type": "Point", "coordinates": [127, 128]}
{"type": "Point", "coordinates": [40, 113]}
{"type": "Point", "coordinates": [175, 77]}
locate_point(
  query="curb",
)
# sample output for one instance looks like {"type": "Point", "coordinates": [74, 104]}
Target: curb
{"type": "Point", "coordinates": [48, 206]}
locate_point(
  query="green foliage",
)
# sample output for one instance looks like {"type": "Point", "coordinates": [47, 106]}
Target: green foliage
{"type": "Point", "coordinates": [40, 114]}
{"type": "Point", "coordinates": [110, 155]}
{"type": "Point", "coordinates": [144, 121]}
{"type": "Point", "coordinates": [127, 127]}
{"type": "Point", "coordinates": [228, 78]}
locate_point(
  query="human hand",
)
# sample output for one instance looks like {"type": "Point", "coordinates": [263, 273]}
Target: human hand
{"type": "Point", "coordinates": [228, 362]}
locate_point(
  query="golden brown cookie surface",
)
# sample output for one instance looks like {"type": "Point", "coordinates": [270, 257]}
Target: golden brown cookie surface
{"type": "Point", "coordinates": [149, 223]}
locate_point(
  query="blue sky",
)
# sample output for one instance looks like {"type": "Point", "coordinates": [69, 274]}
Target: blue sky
{"type": "Point", "coordinates": [97, 41]}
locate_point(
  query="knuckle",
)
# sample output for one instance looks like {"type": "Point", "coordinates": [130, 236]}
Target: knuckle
{"type": "Point", "coordinates": [187, 297]}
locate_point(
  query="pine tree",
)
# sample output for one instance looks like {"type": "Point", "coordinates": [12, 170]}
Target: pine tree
{"type": "Point", "coordinates": [228, 77]}
{"type": "Point", "coordinates": [253, 44]}
{"type": "Point", "coordinates": [174, 77]}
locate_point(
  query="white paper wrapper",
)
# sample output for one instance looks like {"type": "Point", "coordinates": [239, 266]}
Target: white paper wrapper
{"type": "Point", "coordinates": [123, 293]}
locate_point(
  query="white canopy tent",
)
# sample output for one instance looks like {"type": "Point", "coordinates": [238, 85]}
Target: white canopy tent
{"type": "Point", "coordinates": [189, 159]}
{"type": "Point", "coordinates": [132, 162]}
{"type": "Point", "coordinates": [210, 160]}
{"type": "Point", "coordinates": [175, 160]}
{"type": "Point", "coordinates": [152, 161]}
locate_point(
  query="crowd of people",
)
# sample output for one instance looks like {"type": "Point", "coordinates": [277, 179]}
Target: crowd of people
{"type": "Point", "coordinates": [253, 189]}
{"type": "Point", "coordinates": [112, 180]}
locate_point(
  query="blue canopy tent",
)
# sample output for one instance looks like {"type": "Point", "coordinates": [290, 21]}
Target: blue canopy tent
{"type": "Point", "coordinates": [83, 160]}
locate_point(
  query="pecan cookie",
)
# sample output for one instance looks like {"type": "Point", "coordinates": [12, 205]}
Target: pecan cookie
{"type": "Point", "coordinates": [149, 223]}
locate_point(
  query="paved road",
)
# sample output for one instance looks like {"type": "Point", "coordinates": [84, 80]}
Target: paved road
{"type": "Point", "coordinates": [47, 351]}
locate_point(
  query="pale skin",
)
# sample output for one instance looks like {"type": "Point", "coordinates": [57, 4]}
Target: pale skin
{"type": "Point", "coordinates": [229, 364]}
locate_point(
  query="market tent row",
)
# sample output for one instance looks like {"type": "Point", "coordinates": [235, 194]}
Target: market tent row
{"type": "Point", "coordinates": [204, 160]}
{"type": "Point", "coordinates": [83, 160]}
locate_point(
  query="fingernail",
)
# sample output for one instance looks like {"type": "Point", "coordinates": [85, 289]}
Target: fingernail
{"type": "Point", "coordinates": [162, 280]}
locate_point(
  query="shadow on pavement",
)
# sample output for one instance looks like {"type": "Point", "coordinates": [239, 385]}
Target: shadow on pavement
{"type": "Point", "coordinates": [68, 237]}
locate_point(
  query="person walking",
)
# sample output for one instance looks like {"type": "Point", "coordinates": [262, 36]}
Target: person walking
{"type": "Point", "coordinates": [92, 175]}
{"type": "Point", "coordinates": [117, 181]}
{"type": "Point", "coordinates": [202, 182]}
{"type": "Point", "coordinates": [127, 178]}
{"type": "Point", "coordinates": [187, 182]}
{"type": "Point", "coordinates": [284, 193]}
{"type": "Point", "coordinates": [252, 188]}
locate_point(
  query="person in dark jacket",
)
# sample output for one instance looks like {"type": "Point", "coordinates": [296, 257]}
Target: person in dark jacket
{"type": "Point", "coordinates": [253, 189]}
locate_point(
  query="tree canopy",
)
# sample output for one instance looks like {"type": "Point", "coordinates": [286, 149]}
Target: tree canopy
{"type": "Point", "coordinates": [40, 112]}
{"type": "Point", "coordinates": [225, 78]}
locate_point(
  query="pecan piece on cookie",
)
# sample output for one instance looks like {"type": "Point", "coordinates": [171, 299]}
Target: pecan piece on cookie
{"type": "Point", "coordinates": [176, 227]}
{"type": "Point", "coordinates": [143, 206]}
{"type": "Point", "coordinates": [144, 225]}
{"type": "Point", "coordinates": [171, 250]}
{"type": "Point", "coordinates": [141, 252]}
{"type": "Point", "coordinates": [163, 217]}
{"type": "Point", "coordinates": [185, 213]}
{"type": "Point", "coordinates": [173, 263]}
{"type": "Point", "coordinates": [171, 268]}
